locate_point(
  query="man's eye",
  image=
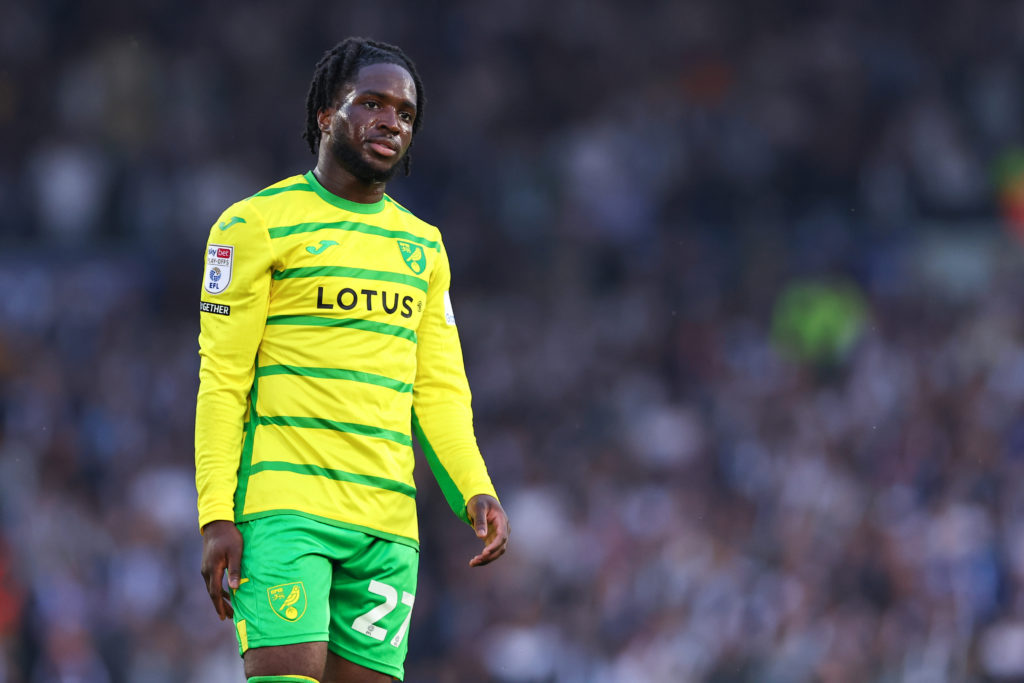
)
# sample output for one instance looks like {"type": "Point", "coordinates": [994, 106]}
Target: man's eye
{"type": "Point", "coordinates": [406, 116]}
{"type": "Point", "coordinates": [369, 104]}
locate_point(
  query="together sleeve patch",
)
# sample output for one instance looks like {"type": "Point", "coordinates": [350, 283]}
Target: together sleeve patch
{"type": "Point", "coordinates": [210, 307]}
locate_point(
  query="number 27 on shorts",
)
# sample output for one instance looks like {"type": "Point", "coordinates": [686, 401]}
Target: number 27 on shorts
{"type": "Point", "coordinates": [367, 623]}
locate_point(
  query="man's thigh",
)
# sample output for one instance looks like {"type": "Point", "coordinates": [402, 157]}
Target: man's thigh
{"type": "Point", "coordinates": [301, 659]}
{"type": "Point", "coordinates": [340, 670]}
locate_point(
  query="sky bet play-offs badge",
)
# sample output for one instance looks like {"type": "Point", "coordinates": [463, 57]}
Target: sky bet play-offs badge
{"type": "Point", "coordinates": [219, 258]}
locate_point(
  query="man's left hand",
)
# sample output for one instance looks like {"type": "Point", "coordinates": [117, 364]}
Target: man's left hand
{"type": "Point", "coordinates": [491, 525]}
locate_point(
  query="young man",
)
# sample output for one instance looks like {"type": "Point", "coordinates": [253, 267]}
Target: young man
{"type": "Point", "coordinates": [327, 336]}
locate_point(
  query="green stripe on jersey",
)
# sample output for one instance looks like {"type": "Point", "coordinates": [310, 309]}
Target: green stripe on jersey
{"type": "Point", "coordinates": [250, 438]}
{"type": "Point", "coordinates": [351, 226]}
{"type": "Point", "coordinates": [337, 475]}
{"type": "Point", "coordinates": [300, 187]}
{"type": "Point", "coordinates": [396, 205]}
{"type": "Point", "coordinates": [357, 273]}
{"type": "Point", "coordinates": [335, 373]}
{"type": "Point", "coordinates": [347, 427]}
{"type": "Point", "coordinates": [451, 491]}
{"type": "Point", "coordinates": [357, 323]}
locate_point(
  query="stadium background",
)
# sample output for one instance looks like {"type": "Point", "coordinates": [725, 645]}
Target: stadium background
{"type": "Point", "coordinates": [739, 286]}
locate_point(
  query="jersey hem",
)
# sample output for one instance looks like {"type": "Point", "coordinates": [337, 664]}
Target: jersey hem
{"type": "Point", "coordinates": [394, 538]}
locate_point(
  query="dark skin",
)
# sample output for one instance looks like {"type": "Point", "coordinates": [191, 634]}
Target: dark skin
{"type": "Point", "coordinates": [365, 135]}
{"type": "Point", "coordinates": [373, 117]}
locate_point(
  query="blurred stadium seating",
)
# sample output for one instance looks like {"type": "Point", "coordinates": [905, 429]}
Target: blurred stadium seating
{"type": "Point", "coordinates": [739, 286]}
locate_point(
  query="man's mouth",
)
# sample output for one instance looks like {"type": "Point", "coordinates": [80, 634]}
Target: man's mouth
{"type": "Point", "coordinates": [383, 147]}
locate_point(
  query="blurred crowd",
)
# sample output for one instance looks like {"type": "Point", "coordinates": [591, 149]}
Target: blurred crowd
{"type": "Point", "coordinates": [739, 292]}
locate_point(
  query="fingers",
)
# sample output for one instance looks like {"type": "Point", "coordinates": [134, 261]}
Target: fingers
{"type": "Point", "coordinates": [234, 567]}
{"type": "Point", "coordinates": [489, 554]}
{"type": "Point", "coordinates": [220, 598]}
{"type": "Point", "coordinates": [225, 599]}
{"type": "Point", "coordinates": [496, 533]}
{"type": "Point", "coordinates": [480, 517]}
{"type": "Point", "coordinates": [216, 591]}
{"type": "Point", "coordinates": [222, 549]}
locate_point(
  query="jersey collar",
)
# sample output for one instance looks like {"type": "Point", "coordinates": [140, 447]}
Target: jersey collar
{"type": "Point", "coordinates": [341, 202]}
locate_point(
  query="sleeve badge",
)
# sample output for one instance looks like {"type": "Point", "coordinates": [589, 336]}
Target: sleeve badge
{"type": "Point", "coordinates": [219, 259]}
{"type": "Point", "coordinates": [449, 314]}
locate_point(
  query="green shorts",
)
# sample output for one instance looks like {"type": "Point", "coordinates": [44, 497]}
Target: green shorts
{"type": "Point", "coordinates": [305, 581]}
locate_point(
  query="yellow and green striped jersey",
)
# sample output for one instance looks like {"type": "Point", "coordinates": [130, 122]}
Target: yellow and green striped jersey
{"type": "Point", "coordinates": [326, 338]}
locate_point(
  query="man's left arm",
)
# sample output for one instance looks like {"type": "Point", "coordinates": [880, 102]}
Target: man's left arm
{"type": "Point", "coordinates": [443, 420]}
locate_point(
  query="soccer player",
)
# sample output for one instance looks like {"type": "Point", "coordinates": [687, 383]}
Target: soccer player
{"type": "Point", "coordinates": [327, 336]}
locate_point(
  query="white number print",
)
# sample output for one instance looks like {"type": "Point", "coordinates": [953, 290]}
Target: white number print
{"type": "Point", "coordinates": [407, 600]}
{"type": "Point", "coordinates": [367, 623]}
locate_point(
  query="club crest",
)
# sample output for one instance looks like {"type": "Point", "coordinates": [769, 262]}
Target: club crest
{"type": "Point", "coordinates": [288, 600]}
{"type": "Point", "coordinates": [413, 256]}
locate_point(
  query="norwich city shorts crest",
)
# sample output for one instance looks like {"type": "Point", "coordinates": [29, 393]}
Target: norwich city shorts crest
{"type": "Point", "coordinates": [288, 600]}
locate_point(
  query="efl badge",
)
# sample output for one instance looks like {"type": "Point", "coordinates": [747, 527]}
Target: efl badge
{"type": "Point", "coordinates": [219, 258]}
{"type": "Point", "coordinates": [288, 600]}
{"type": "Point", "coordinates": [413, 256]}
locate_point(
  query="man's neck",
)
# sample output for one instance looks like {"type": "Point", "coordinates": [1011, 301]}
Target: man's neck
{"type": "Point", "coordinates": [340, 182]}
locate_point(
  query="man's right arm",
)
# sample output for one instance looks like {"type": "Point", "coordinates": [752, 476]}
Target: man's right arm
{"type": "Point", "coordinates": [233, 311]}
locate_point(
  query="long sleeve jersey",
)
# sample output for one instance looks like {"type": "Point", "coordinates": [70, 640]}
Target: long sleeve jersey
{"type": "Point", "coordinates": [326, 338]}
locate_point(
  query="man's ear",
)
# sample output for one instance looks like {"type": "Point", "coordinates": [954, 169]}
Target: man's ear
{"type": "Point", "coordinates": [323, 119]}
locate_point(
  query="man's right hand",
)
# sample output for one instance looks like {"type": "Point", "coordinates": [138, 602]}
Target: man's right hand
{"type": "Point", "coordinates": [222, 549]}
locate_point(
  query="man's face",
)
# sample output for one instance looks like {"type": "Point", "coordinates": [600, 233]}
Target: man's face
{"type": "Point", "coordinates": [369, 129]}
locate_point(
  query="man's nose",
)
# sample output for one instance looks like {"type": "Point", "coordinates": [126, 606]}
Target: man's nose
{"type": "Point", "coordinates": [388, 118]}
